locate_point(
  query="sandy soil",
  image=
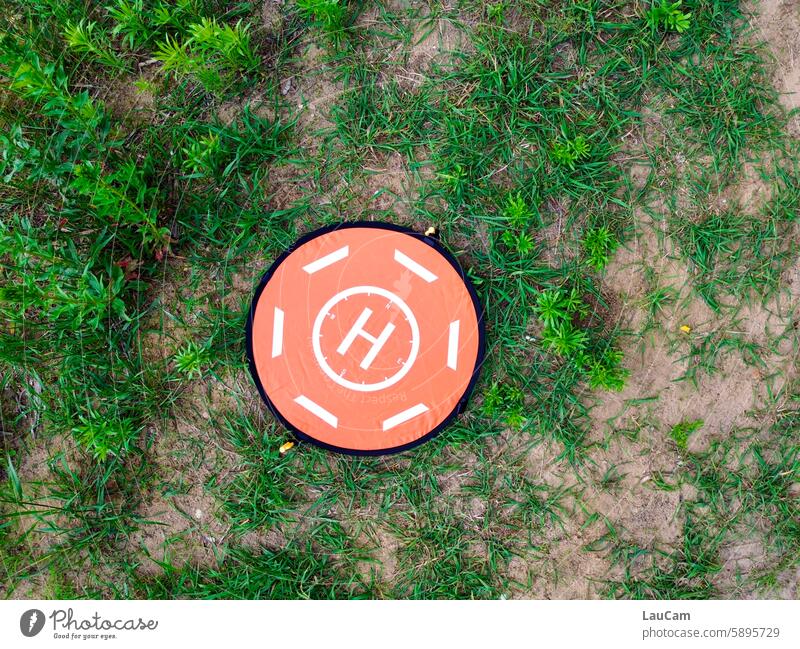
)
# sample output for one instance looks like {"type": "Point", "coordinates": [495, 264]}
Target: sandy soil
{"type": "Point", "coordinates": [777, 22]}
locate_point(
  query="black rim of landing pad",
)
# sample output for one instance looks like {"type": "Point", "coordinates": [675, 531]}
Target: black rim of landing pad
{"type": "Point", "coordinates": [379, 225]}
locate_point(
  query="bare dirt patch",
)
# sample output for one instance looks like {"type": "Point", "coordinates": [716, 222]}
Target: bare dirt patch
{"type": "Point", "coordinates": [430, 41]}
{"type": "Point", "coordinates": [181, 518]}
{"type": "Point", "coordinates": [633, 427]}
{"type": "Point", "coordinates": [778, 23]}
{"type": "Point", "coordinates": [271, 15]}
{"type": "Point", "coordinates": [434, 43]}
{"type": "Point", "coordinates": [311, 94]}
{"type": "Point", "coordinates": [131, 99]}
{"type": "Point", "coordinates": [567, 567]}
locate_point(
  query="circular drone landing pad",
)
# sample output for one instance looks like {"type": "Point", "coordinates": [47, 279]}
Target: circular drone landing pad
{"type": "Point", "coordinates": [365, 338]}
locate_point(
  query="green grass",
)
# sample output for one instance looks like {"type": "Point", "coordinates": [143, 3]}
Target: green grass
{"type": "Point", "coordinates": [680, 432]}
{"type": "Point", "coordinates": [157, 156]}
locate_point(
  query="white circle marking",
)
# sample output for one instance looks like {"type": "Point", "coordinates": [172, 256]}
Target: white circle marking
{"type": "Point", "coordinates": [365, 387]}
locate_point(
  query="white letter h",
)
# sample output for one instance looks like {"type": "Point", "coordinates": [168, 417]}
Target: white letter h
{"type": "Point", "coordinates": [358, 330]}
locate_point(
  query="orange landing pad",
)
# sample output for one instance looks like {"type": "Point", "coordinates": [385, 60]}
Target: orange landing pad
{"type": "Point", "coordinates": [365, 338]}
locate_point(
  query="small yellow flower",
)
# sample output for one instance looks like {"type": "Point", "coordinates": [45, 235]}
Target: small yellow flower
{"type": "Point", "coordinates": [686, 329]}
{"type": "Point", "coordinates": [288, 446]}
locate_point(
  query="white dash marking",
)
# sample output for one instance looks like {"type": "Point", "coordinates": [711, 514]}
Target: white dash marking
{"type": "Point", "coordinates": [452, 345]}
{"type": "Point", "coordinates": [277, 333]}
{"type": "Point", "coordinates": [327, 260]}
{"type": "Point", "coordinates": [402, 417]}
{"type": "Point", "coordinates": [316, 409]}
{"type": "Point", "coordinates": [414, 267]}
